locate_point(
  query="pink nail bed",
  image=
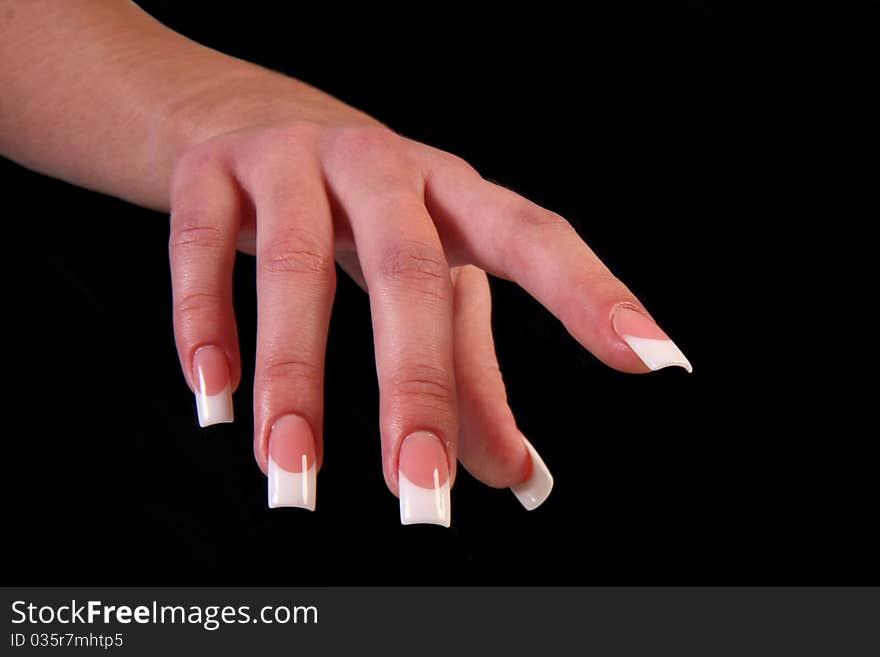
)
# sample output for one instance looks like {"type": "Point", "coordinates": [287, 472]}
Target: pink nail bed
{"type": "Point", "coordinates": [647, 340]}
{"type": "Point", "coordinates": [634, 323]}
{"type": "Point", "coordinates": [423, 460]}
{"type": "Point", "coordinates": [423, 476]}
{"type": "Point", "coordinates": [213, 390]}
{"type": "Point", "coordinates": [292, 463]}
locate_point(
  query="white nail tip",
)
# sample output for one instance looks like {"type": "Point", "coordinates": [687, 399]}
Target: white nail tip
{"type": "Point", "coordinates": [214, 409]}
{"type": "Point", "coordinates": [295, 489]}
{"type": "Point", "coordinates": [658, 354]}
{"type": "Point", "coordinates": [424, 505]}
{"type": "Point", "coordinates": [533, 492]}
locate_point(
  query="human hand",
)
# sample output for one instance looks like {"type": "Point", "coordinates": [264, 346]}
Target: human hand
{"type": "Point", "coordinates": [418, 228]}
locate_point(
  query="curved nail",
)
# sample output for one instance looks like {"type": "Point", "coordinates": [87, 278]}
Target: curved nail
{"type": "Point", "coordinates": [648, 340]}
{"type": "Point", "coordinates": [536, 489]}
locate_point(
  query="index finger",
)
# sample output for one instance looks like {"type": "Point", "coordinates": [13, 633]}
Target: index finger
{"type": "Point", "coordinates": [513, 238]}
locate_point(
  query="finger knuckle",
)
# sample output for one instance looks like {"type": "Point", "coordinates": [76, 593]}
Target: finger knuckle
{"type": "Point", "coordinates": [192, 235]}
{"type": "Point", "coordinates": [197, 159]}
{"type": "Point", "coordinates": [396, 199]}
{"type": "Point", "coordinates": [534, 216]}
{"type": "Point", "coordinates": [284, 369]}
{"type": "Point", "coordinates": [286, 139]}
{"type": "Point", "coordinates": [192, 165]}
{"type": "Point", "coordinates": [192, 305]}
{"type": "Point", "coordinates": [537, 227]}
{"type": "Point", "coordinates": [195, 204]}
{"type": "Point", "coordinates": [423, 384]}
{"type": "Point", "coordinates": [359, 142]}
{"type": "Point", "coordinates": [484, 378]}
{"type": "Point", "coordinates": [413, 262]}
{"type": "Point", "coordinates": [600, 283]}
{"type": "Point", "coordinates": [297, 251]}
{"type": "Point", "coordinates": [299, 132]}
{"type": "Point", "coordinates": [454, 161]}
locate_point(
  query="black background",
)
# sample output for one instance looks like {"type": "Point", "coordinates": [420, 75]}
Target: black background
{"type": "Point", "coordinates": [664, 134]}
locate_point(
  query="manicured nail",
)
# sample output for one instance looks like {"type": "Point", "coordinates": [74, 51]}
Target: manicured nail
{"type": "Point", "coordinates": [648, 340]}
{"type": "Point", "coordinates": [292, 468]}
{"type": "Point", "coordinates": [214, 394]}
{"type": "Point", "coordinates": [533, 491]}
{"type": "Point", "coordinates": [424, 480]}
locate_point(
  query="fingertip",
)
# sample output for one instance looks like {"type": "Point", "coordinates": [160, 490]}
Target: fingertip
{"type": "Point", "coordinates": [210, 382]}
{"type": "Point", "coordinates": [534, 490]}
{"type": "Point", "coordinates": [261, 455]}
{"type": "Point", "coordinates": [234, 366]}
{"type": "Point", "coordinates": [646, 341]}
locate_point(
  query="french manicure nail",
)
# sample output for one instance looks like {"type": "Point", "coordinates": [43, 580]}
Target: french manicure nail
{"type": "Point", "coordinates": [533, 491]}
{"type": "Point", "coordinates": [292, 463]}
{"type": "Point", "coordinates": [423, 475]}
{"type": "Point", "coordinates": [214, 392]}
{"type": "Point", "coordinates": [648, 340]}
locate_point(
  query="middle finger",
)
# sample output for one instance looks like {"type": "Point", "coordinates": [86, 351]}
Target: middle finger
{"type": "Point", "coordinates": [411, 301]}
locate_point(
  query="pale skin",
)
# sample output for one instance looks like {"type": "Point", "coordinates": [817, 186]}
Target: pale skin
{"type": "Point", "coordinates": [98, 93]}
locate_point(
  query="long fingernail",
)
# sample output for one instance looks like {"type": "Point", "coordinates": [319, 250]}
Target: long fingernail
{"type": "Point", "coordinates": [292, 467]}
{"type": "Point", "coordinates": [214, 394]}
{"type": "Point", "coordinates": [533, 491]}
{"type": "Point", "coordinates": [648, 340]}
{"type": "Point", "coordinates": [424, 480]}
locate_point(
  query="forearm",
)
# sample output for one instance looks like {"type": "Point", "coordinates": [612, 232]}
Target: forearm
{"type": "Point", "coordinates": [98, 93]}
